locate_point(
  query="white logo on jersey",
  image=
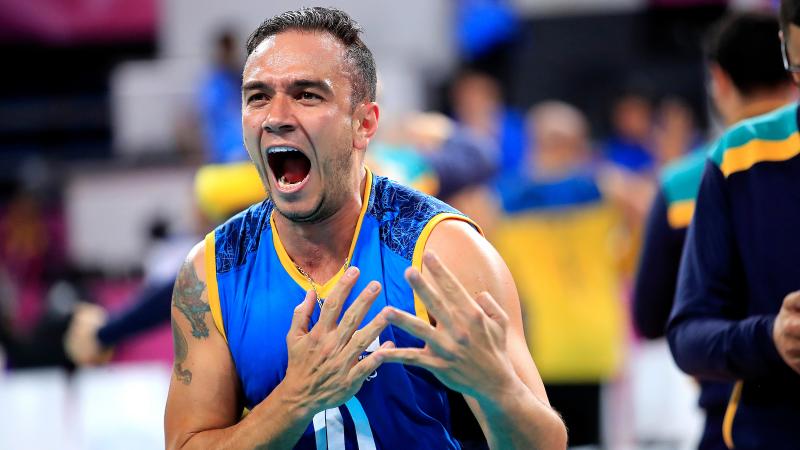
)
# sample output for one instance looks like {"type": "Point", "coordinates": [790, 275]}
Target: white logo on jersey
{"type": "Point", "coordinates": [374, 345]}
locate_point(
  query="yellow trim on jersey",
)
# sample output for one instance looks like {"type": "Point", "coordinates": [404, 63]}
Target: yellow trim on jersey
{"type": "Point", "coordinates": [730, 413]}
{"type": "Point", "coordinates": [286, 261]}
{"type": "Point", "coordinates": [419, 249]}
{"type": "Point", "coordinates": [211, 284]}
{"type": "Point", "coordinates": [679, 214]}
{"type": "Point", "coordinates": [741, 158]}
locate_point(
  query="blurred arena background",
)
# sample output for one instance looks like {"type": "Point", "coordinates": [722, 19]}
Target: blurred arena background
{"type": "Point", "coordinates": [108, 108]}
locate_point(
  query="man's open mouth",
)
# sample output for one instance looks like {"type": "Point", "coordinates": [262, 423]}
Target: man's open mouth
{"type": "Point", "coordinates": [289, 165]}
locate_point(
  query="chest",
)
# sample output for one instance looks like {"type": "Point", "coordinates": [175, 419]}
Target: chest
{"type": "Point", "coordinates": [259, 305]}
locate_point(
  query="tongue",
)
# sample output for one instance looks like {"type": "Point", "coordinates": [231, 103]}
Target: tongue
{"type": "Point", "coordinates": [295, 169]}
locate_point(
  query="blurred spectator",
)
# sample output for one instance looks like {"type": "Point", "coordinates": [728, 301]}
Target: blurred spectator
{"type": "Point", "coordinates": [431, 153]}
{"type": "Point", "coordinates": [556, 239]}
{"type": "Point", "coordinates": [739, 273]}
{"type": "Point", "coordinates": [31, 243]}
{"type": "Point", "coordinates": [630, 144]}
{"type": "Point", "coordinates": [220, 190]}
{"type": "Point", "coordinates": [746, 79]}
{"type": "Point", "coordinates": [478, 105]}
{"type": "Point", "coordinates": [675, 133]}
{"type": "Point", "coordinates": [220, 101]}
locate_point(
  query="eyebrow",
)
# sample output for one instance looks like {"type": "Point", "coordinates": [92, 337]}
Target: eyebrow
{"type": "Point", "coordinates": [295, 84]}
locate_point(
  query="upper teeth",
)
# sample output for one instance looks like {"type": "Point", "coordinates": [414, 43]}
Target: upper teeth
{"type": "Point", "coordinates": [282, 149]}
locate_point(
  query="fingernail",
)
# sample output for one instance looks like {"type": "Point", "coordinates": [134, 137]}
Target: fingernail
{"type": "Point", "coordinates": [351, 271]}
{"type": "Point", "coordinates": [374, 286]}
{"type": "Point", "coordinates": [412, 275]}
{"type": "Point", "coordinates": [428, 257]}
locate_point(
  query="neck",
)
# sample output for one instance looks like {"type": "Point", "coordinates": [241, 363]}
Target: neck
{"type": "Point", "coordinates": [321, 248]}
{"type": "Point", "coordinates": [761, 104]}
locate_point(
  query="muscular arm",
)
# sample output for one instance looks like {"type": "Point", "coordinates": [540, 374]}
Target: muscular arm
{"type": "Point", "coordinates": [517, 414]}
{"type": "Point", "coordinates": [204, 402]}
{"type": "Point", "coordinates": [323, 369]}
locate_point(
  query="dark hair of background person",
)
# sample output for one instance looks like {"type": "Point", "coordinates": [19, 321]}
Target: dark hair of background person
{"type": "Point", "coordinates": [337, 23]}
{"type": "Point", "coordinates": [789, 13]}
{"type": "Point", "coordinates": [747, 47]}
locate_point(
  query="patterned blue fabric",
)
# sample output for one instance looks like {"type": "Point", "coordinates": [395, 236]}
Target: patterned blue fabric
{"type": "Point", "coordinates": [240, 235]}
{"type": "Point", "coordinates": [398, 406]}
{"type": "Point", "coordinates": [401, 215]}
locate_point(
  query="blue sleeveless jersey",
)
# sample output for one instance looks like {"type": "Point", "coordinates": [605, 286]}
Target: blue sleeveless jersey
{"type": "Point", "coordinates": [256, 288]}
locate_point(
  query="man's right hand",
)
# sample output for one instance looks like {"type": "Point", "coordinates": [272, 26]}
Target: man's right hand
{"type": "Point", "coordinates": [323, 369]}
{"type": "Point", "coordinates": [786, 333]}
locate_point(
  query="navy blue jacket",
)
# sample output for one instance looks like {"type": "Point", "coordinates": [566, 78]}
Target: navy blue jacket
{"type": "Point", "coordinates": [741, 258]}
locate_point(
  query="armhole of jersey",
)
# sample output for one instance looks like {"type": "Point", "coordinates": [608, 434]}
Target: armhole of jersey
{"type": "Point", "coordinates": [419, 249]}
{"type": "Point", "coordinates": [211, 284]}
{"type": "Point", "coordinates": [730, 414]}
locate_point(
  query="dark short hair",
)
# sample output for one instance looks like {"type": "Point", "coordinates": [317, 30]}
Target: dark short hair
{"type": "Point", "coordinates": [747, 47]}
{"type": "Point", "coordinates": [789, 13]}
{"type": "Point", "coordinates": [340, 25]}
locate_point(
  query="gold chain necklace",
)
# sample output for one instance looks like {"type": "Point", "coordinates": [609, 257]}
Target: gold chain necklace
{"type": "Point", "coordinates": [313, 284]}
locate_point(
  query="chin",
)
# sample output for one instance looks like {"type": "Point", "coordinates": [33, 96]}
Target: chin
{"type": "Point", "coordinates": [296, 212]}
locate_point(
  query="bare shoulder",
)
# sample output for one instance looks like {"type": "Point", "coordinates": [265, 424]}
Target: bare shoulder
{"type": "Point", "coordinates": [196, 260]}
{"type": "Point", "coordinates": [471, 258]}
{"type": "Point", "coordinates": [190, 296]}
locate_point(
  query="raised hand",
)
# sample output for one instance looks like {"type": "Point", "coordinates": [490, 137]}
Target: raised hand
{"type": "Point", "coordinates": [786, 332]}
{"type": "Point", "coordinates": [323, 369]}
{"type": "Point", "coordinates": [466, 349]}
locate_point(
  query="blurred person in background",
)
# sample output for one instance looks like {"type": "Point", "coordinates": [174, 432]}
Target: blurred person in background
{"type": "Point", "coordinates": [556, 237]}
{"type": "Point", "coordinates": [675, 133]}
{"type": "Point", "coordinates": [37, 287]}
{"type": "Point", "coordinates": [630, 145]}
{"type": "Point", "coordinates": [440, 157]}
{"type": "Point", "coordinates": [477, 102]}
{"type": "Point", "coordinates": [92, 334]}
{"type": "Point", "coordinates": [219, 100]}
{"type": "Point", "coordinates": [220, 191]}
{"type": "Point", "coordinates": [736, 316]}
{"type": "Point", "coordinates": [309, 113]}
{"type": "Point", "coordinates": [747, 79]}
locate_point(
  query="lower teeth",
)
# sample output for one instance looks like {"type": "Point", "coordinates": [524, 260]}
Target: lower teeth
{"type": "Point", "coordinates": [283, 180]}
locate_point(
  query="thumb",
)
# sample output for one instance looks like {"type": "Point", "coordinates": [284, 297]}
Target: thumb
{"type": "Point", "coordinates": [792, 301]}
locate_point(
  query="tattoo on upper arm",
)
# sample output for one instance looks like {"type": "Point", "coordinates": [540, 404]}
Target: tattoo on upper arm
{"type": "Point", "coordinates": [181, 351]}
{"type": "Point", "coordinates": [191, 298]}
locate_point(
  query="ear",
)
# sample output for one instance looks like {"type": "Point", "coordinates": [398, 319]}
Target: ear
{"type": "Point", "coordinates": [721, 83]}
{"type": "Point", "coordinates": [365, 124]}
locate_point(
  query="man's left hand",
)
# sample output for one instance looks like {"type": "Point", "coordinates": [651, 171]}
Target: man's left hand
{"type": "Point", "coordinates": [466, 348]}
{"type": "Point", "coordinates": [786, 332]}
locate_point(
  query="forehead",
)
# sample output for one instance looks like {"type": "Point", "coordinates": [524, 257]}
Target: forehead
{"type": "Point", "coordinates": [296, 54]}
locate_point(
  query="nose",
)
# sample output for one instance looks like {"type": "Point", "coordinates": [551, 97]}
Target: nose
{"type": "Point", "coordinates": [280, 118]}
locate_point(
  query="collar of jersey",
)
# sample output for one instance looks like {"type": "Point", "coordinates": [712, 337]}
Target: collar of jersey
{"type": "Point", "coordinates": [323, 289]}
